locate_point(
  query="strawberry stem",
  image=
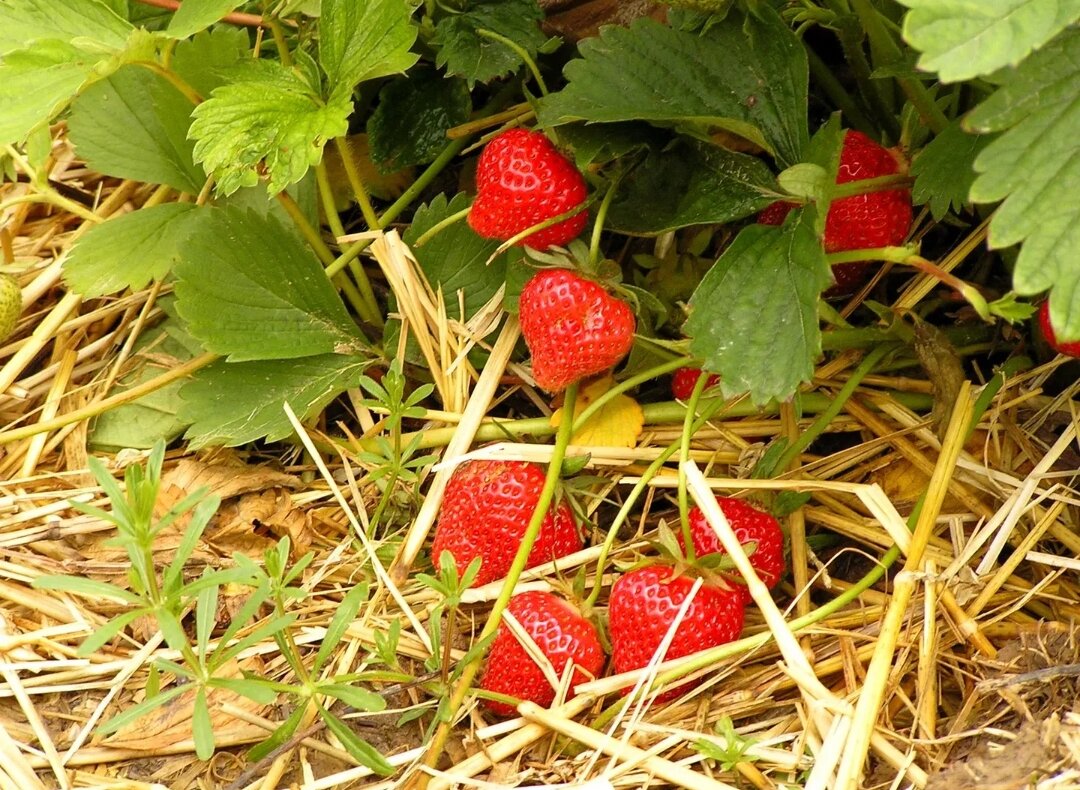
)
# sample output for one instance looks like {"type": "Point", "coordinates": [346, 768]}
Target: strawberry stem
{"type": "Point", "coordinates": [711, 408]}
{"type": "Point", "coordinates": [539, 226]}
{"type": "Point", "coordinates": [684, 456]}
{"type": "Point", "coordinates": [598, 225]}
{"type": "Point", "coordinates": [520, 52]}
{"type": "Point", "coordinates": [547, 495]}
{"type": "Point", "coordinates": [866, 186]}
{"type": "Point", "coordinates": [440, 226]}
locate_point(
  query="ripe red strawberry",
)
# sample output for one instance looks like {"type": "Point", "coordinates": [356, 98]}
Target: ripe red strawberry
{"type": "Point", "coordinates": [562, 635]}
{"type": "Point", "coordinates": [1068, 349]}
{"type": "Point", "coordinates": [485, 511]}
{"type": "Point", "coordinates": [573, 327]}
{"type": "Point", "coordinates": [749, 525]}
{"type": "Point", "coordinates": [644, 604]}
{"type": "Point", "coordinates": [876, 219]}
{"type": "Point", "coordinates": [684, 379]}
{"type": "Point", "coordinates": [522, 180]}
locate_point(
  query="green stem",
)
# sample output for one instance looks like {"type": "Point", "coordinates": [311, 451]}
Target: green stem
{"type": "Point", "coordinates": [684, 456]}
{"type": "Point", "coordinates": [634, 381]}
{"type": "Point", "coordinates": [711, 408]}
{"type": "Point", "coordinates": [547, 494]}
{"type": "Point", "coordinates": [894, 254]}
{"type": "Point", "coordinates": [326, 197]}
{"type": "Point", "coordinates": [356, 183]}
{"type": "Point", "coordinates": [53, 199]}
{"type": "Point", "coordinates": [851, 40]}
{"type": "Point", "coordinates": [173, 79]}
{"type": "Point", "coordinates": [279, 41]}
{"type": "Point", "coordinates": [844, 101]}
{"type": "Point", "coordinates": [520, 52]}
{"type": "Point", "coordinates": [440, 226]}
{"type": "Point", "coordinates": [881, 40]}
{"type": "Point", "coordinates": [598, 225]}
{"type": "Point", "coordinates": [834, 408]}
{"type": "Point", "coordinates": [866, 186]}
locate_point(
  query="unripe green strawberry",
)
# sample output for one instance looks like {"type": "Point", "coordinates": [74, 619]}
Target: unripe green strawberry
{"type": "Point", "coordinates": [10, 305]}
{"type": "Point", "coordinates": [563, 636]}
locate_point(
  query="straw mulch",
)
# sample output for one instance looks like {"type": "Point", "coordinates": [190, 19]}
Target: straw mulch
{"type": "Point", "coordinates": [959, 670]}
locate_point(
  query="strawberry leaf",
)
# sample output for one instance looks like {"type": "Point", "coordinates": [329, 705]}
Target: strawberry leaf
{"type": "Point", "coordinates": [753, 318]}
{"type": "Point", "coordinates": [409, 126]}
{"type": "Point", "coordinates": [195, 15]}
{"type": "Point", "coordinates": [135, 125]}
{"type": "Point", "coordinates": [36, 83]}
{"type": "Point", "coordinates": [146, 420]}
{"type": "Point", "coordinates": [129, 251]}
{"type": "Point", "coordinates": [91, 21]}
{"type": "Point", "coordinates": [456, 258]}
{"type": "Point", "coordinates": [960, 39]}
{"type": "Point", "coordinates": [691, 183]}
{"type": "Point", "coordinates": [250, 289]}
{"type": "Point", "coordinates": [945, 170]}
{"type": "Point", "coordinates": [1034, 166]}
{"type": "Point", "coordinates": [747, 76]}
{"type": "Point", "coordinates": [363, 41]}
{"type": "Point", "coordinates": [204, 61]}
{"type": "Point", "coordinates": [269, 117]}
{"type": "Point", "coordinates": [232, 403]}
{"type": "Point", "coordinates": [468, 54]}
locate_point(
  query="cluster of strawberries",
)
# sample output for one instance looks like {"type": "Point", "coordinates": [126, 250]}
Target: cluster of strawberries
{"type": "Point", "coordinates": [574, 328]}
{"type": "Point", "coordinates": [484, 514]}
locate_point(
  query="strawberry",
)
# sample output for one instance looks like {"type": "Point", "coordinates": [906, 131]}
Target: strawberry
{"type": "Point", "coordinates": [562, 635]}
{"type": "Point", "coordinates": [522, 180]}
{"type": "Point", "coordinates": [1068, 349]}
{"type": "Point", "coordinates": [10, 305]}
{"type": "Point", "coordinates": [643, 605]}
{"type": "Point", "coordinates": [876, 219]}
{"type": "Point", "coordinates": [485, 511]}
{"type": "Point", "coordinates": [573, 327]}
{"type": "Point", "coordinates": [684, 380]}
{"type": "Point", "coordinates": [750, 525]}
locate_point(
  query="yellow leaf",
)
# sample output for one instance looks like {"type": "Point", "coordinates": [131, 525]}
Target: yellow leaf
{"type": "Point", "coordinates": [618, 423]}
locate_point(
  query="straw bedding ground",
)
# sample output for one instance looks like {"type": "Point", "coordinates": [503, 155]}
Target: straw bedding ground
{"type": "Point", "coordinates": [960, 670]}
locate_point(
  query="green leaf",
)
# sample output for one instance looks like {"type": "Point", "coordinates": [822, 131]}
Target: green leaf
{"type": "Point", "coordinates": [194, 15]}
{"type": "Point", "coordinates": [456, 258]}
{"type": "Point", "coordinates": [89, 588]}
{"type": "Point", "coordinates": [364, 41]}
{"type": "Point", "coordinates": [36, 83]}
{"type": "Point", "coordinates": [87, 22]}
{"type": "Point", "coordinates": [204, 61]}
{"type": "Point", "coordinates": [339, 624]}
{"type": "Point", "coordinates": [128, 252]}
{"type": "Point", "coordinates": [202, 730]}
{"type": "Point", "coordinates": [362, 751]}
{"type": "Point", "coordinates": [235, 403]}
{"type": "Point", "coordinates": [691, 183]}
{"type": "Point", "coordinates": [140, 423]}
{"type": "Point", "coordinates": [254, 690]}
{"type": "Point", "coordinates": [135, 125]}
{"type": "Point", "coordinates": [746, 76]}
{"type": "Point", "coordinates": [409, 125]}
{"type": "Point", "coordinates": [468, 54]}
{"type": "Point", "coordinates": [268, 118]}
{"type": "Point", "coordinates": [354, 697]}
{"type": "Point", "coordinates": [753, 318]}
{"type": "Point", "coordinates": [1034, 166]}
{"type": "Point", "coordinates": [249, 289]}
{"type": "Point", "coordinates": [945, 170]}
{"type": "Point", "coordinates": [961, 39]}
{"type": "Point", "coordinates": [805, 180]}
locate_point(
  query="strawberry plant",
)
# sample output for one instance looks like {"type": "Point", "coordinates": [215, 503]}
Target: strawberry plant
{"type": "Point", "coordinates": [368, 231]}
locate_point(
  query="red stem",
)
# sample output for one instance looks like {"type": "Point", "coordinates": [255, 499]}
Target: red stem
{"type": "Point", "coordinates": [234, 18]}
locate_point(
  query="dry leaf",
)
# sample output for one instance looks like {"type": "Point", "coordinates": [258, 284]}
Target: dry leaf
{"type": "Point", "coordinates": [618, 423]}
{"type": "Point", "coordinates": [384, 187]}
